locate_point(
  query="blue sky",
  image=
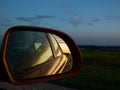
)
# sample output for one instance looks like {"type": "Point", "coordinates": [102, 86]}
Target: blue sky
{"type": "Point", "coordinates": [89, 22]}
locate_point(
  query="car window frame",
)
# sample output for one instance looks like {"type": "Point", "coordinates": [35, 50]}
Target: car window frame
{"type": "Point", "coordinates": [52, 45]}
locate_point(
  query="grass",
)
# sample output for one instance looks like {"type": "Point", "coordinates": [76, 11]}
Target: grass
{"type": "Point", "coordinates": [101, 71]}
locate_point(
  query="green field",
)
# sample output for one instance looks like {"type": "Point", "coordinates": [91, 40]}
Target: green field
{"type": "Point", "coordinates": [101, 71]}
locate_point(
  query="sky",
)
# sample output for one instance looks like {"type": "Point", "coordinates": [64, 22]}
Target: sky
{"type": "Point", "coordinates": [88, 22]}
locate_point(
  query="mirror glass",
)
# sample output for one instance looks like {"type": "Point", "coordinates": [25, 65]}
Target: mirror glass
{"type": "Point", "coordinates": [32, 54]}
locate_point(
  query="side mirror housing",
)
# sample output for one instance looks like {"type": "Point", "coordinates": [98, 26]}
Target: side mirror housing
{"type": "Point", "coordinates": [36, 54]}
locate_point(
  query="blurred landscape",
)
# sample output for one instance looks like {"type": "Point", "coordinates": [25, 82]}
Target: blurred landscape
{"type": "Point", "coordinates": [99, 48]}
{"type": "Point", "coordinates": [101, 69]}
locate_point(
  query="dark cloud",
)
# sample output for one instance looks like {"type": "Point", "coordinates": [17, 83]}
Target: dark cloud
{"type": "Point", "coordinates": [34, 18]}
{"type": "Point", "coordinates": [112, 17]}
{"type": "Point", "coordinates": [75, 21]}
{"type": "Point", "coordinates": [92, 21]}
{"type": "Point", "coordinates": [43, 16]}
{"type": "Point", "coordinates": [24, 19]}
{"type": "Point", "coordinates": [80, 20]}
{"type": "Point", "coordinates": [95, 19]}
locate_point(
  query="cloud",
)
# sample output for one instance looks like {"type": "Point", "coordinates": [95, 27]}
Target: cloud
{"type": "Point", "coordinates": [34, 18]}
{"type": "Point", "coordinates": [24, 19]}
{"type": "Point", "coordinates": [112, 17]}
{"type": "Point", "coordinates": [43, 16]}
{"type": "Point", "coordinates": [94, 19]}
{"type": "Point", "coordinates": [75, 21]}
{"type": "Point", "coordinates": [72, 14]}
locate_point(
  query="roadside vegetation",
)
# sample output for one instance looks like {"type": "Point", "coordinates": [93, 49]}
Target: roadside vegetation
{"type": "Point", "coordinates": [101, 70]}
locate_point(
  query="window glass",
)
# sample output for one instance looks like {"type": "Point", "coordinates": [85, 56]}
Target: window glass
{"type": "Point", "coordinates": [29, 49]}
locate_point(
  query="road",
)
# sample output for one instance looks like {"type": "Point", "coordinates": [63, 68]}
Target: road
{"type": "Point", "coordinates": [42, 86]}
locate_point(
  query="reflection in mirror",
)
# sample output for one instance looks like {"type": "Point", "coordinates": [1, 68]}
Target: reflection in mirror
{"type": "Point", "coordinates": [62, 44]}
{"type": "Point", "coordinates": [32, 54]}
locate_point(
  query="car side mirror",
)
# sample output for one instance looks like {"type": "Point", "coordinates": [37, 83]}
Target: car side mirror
{"type": "Point", "coordinates": [36, 54]}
